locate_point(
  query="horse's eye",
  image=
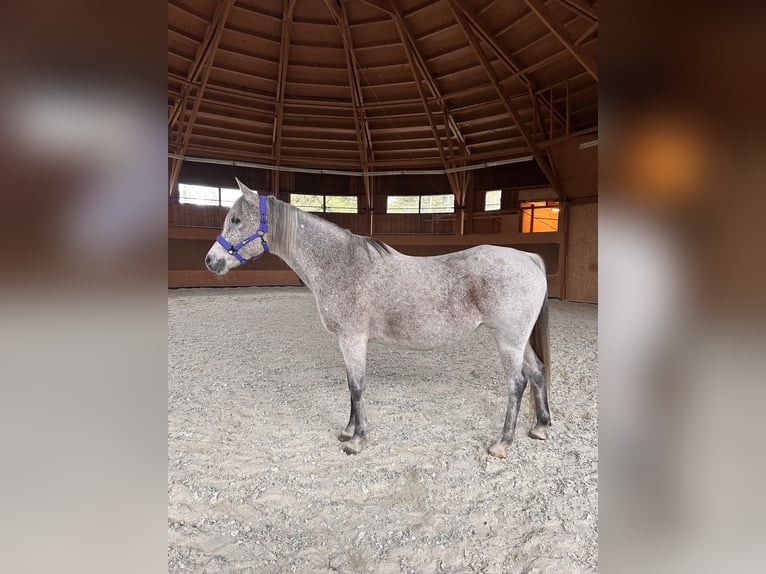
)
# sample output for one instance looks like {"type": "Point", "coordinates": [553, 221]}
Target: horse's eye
{"type": "Point", "coordinates": [235, 220]}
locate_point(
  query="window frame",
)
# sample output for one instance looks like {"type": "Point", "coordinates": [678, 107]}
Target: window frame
{"type": "Point", "coordinates": [420, 205]}
{"type": "Point", "coordinates": [527, 210]}
{"type": "Point", "coordinates": [324, 208]}
{"type": "Point", "coordinates": [499, 201]}
{"type": "Point", "coordinates": [219, 203]}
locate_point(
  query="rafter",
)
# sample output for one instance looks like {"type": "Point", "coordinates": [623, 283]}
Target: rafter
{"type": "Point", "coordinates": [383, 5]}
{"type": "Point", "coordinates": [284, 51]}
{"type": "Point", "coordinates": [362, 128]}
{"type": "Point", "coordinates": [585, 35]}
{"type": "Point", "coordinates": [408, 37]}
{"type": "Point", "coordinates": [204, 51]}
{"type": "Point", "coordinates": [408, 50]}
{"type": "Point", "coordinates": [504, 97]}
{"type": "Point", "coordinates": [207, 64]}
{"type": "Point", "coordinates": [517, 71]}
{"type": "Point", "coordinates": [545, 16]}
{"type": "Point", "coordinates": [582, 8]}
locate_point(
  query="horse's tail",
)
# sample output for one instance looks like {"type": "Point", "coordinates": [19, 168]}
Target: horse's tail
{"type": "Point", "coordinates": [540, 343]}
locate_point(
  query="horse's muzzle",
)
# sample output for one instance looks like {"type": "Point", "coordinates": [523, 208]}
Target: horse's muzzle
{"type": "Point", "coordinates": [217, 266]}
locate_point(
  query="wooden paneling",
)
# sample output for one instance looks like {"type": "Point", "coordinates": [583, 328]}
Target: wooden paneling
{"type": "Point", "coordinates": [189, 254]}
{"type": "Point", "coordinates": [582, 254]}
{"type": "Point", "coordinates": [184, 215]}
{"type": "Point", "coordinates": [486, 225]}
{"type": "Point", "coordinates": [403, 224]}
{"type": "Point", "coordinates": [235, 278]}
{"type": "Point", "coordinates": [577, 168]}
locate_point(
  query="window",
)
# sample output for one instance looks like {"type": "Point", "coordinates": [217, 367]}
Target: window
{"type": "Point", "coordinates": [325, 203]}
{"type": "Point", "coordinates": [307, 202]}
{"type": "Point", "coordinates": [205, 195]}
{"type": "Point", "coordinates": [229, 196]}
{"type": "Point", "coordinates": [340, 204]}
{"type": "Point", "coordinates": [437, 203]}
{"type": "Point", "coordinates": [402, 204]}
{"type": "Point", "coordinates": [539, 216]}
{"type": "Point", "coordinates": [492, 200]}
{"type": "Point", "coordinates": [420, 204]}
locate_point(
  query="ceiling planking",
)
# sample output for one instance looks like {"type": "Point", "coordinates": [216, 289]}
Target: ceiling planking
{"type": "Point", "coordinates": [380, 84]}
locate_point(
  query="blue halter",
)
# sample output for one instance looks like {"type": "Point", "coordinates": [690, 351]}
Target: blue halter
{"type": "Point", "coordinates": [263, 229]}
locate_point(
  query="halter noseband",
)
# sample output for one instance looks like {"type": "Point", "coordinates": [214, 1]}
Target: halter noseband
{"type": "Point", "coordinates": [263, 229]}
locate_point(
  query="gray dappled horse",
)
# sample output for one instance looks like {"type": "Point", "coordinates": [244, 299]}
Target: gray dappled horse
{"type": "Point", "coordinates": [367, 291]}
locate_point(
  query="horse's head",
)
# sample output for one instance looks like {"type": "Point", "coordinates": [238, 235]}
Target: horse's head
{"type": "Point", "coordinates": [242, 237]}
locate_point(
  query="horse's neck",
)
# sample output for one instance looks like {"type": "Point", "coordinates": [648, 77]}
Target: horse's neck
{"type": "Point", "coordinates": [316, 248]}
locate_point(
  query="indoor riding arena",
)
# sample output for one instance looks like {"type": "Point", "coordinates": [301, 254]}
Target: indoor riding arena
{"type": "Point", "coordinates": [298, 128]}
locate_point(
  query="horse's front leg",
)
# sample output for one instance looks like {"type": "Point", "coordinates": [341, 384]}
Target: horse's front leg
{"type": "Point", "coordinates": [355, 355]}
{"type": "Point", "coordinates": [348, 433]}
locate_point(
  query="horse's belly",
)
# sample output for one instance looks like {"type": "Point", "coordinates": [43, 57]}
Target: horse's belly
{"type": "Point", "coordinates": [421, 333]}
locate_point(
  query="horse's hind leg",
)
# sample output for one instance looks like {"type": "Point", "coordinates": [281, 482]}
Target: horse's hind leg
{"type": "Point", "coordinates": [512, 359]}
{"type": "Point", "coordinates": [534, 371]}
{"type": "Point", "coordinates": [355, 355]}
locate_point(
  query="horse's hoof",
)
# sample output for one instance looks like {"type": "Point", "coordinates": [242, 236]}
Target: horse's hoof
{"type": "Point", "coordinates": [498, 450]}
{"type": "Point", "coordinates": [539, 432]}
{"type": "Point", "coordinates": [353, 446]}
{"type": "Point", "coordinates": [344, 436]}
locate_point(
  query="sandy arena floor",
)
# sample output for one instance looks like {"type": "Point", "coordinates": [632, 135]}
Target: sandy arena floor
{"type": "Point", "coordinates": [258, 483]}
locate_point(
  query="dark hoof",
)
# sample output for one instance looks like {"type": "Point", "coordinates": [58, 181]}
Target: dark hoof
{"type": "Point", "coordinates": [539, 432]}
{"type": "Point", "coordinates": [354, 446]}
{"type": "Point", "coordinates": [344, 437]}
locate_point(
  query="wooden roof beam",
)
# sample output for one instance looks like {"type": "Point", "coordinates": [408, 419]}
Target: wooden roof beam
{"type": "Point", "coordinates": [401, 25]}
{"type": "Point", "coordinates": [284, 51]}
{"type": "Point", "coordinates": [486, 35]}
{"type": "Point", "coordinates": [382, 5]}
{"type": "Point", "coordinates": [585, 35]}
{"type": "Point", "coordinates": [545, 16]}
{"type": "Point", "coordinates": [455, 184]}
{"type": "Point", "coordinates": [205, 51]}
{"type": "Point", "coordinates": [581, 8]}
{"type": "Point", "coordinates": [504, 96]}
{"type": "Point", "coordinates": [362, 128]}
{"type": "Point", "coordinates": [175, 172]}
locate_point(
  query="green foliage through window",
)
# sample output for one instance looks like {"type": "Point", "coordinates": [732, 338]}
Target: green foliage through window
{"type": "Point", "coordinates": [325, 203]}
{"type": "Point", "coordinates": [420, 204]}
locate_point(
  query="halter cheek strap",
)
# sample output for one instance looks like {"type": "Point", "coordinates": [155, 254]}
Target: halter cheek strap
{"type": "Point", "coordinates": [263, 229]}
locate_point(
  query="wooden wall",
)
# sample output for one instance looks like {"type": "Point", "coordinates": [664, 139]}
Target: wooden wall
{"type": "Point", "coordinates": [578, 176]}
{"type": "Point", "coordinates": [192, 229]}
{"type": "Point", "coordinates": [582, 254]}
{"type": "Point", "coordinates": [577, 169]}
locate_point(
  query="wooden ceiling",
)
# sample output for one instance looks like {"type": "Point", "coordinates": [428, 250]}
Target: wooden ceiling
{"type": "Point", "coordinates": [374, 85]}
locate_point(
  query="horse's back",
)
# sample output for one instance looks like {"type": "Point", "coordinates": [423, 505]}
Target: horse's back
{"type": "Point", "coordinates": [501, 280]}
{"type": "Point", "coordinates": [425, 302]}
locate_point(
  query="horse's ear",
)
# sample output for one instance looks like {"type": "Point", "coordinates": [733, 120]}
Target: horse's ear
{"type": "Point", "coordinates": [250, 195]}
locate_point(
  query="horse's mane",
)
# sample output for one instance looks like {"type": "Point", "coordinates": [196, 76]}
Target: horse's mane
{"type": "Point", "coordinates": [370, 245]}
{"type": "Point", "coordinates": [285, 233]}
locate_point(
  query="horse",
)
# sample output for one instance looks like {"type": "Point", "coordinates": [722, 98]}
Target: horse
{"type": "Point", "coordinates": [366, 291]}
